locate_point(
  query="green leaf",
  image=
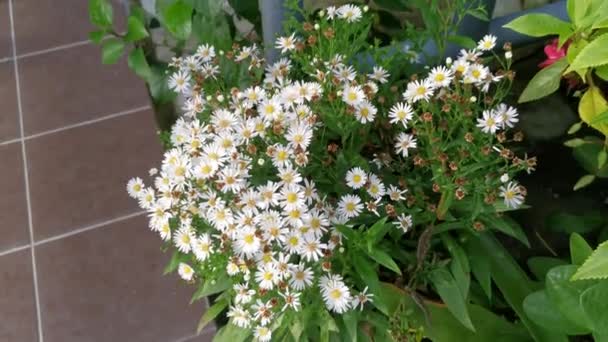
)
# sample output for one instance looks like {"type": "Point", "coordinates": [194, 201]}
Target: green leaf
{"type": "Point", "coordinates": [568, 223]}
{"type": "Point", "coordinates": [595, 305]}
{"type": "Point", "coordinates": [544, 313]}
{"type": "Point", "coordinates": [539, 266]}
{"type": "Point", "coordinates": [231, 333]}
{"type": "Point", "coordinates": [211, 314]}
{"type": "Point", "coordinates": [464, 41]}
{"type": "Point", "coordinates": [576, 142]}
{"type": "Point", "coordinates": [173, 263]}
{"type": "Point", "coordinates": [135, 29]}
{"type": "Point", "coordinates": [158, 85]}
{"type": "Point", "coordinates": [365, 270]}
{"type": "Point", "coordinates": [97, 36]}
{"type": "Point", "coordinates": [600, 119]}
{"type": "Point", "coordinates": [377, 231]}
{"type": "Point", "coordinates": [539, 25]}
{"type": "Point", "coordinates": [577, 10]}
{"type": "Point", "coordinates": [111, 50]}
{"type": "Point", "coordinates": [459, 265]}
{"type": "Point", "coordinates": [137, 62]}
{"type": "Point", "coordinates": [480, 266]}
{"type": "Point", "coordinates": [384, 259]}
{"type": "Point", "coordinates": [351, 320]}
{"type": "Point", "coordinates": [178, 19]}
{"type": "Point", "coordinates": [507, 226]}
{"type": "Point", "coordinates": [479, 13]}
{"type": "Point", "coordinates": [575, 127]}
{"type": "Point", "coordinates": [583, 182]}
{"type": "Point", "coordinates": [602, 72]}
{"type": "Point", "coordinates": [100, 13]}
{"type": "Point", "coordinates": [579, 249]}
{"type": "Point", "coordinates": [602, 157]}
{"type": "Point", "coordinates": [211, 286]}
{"type": "Point", "coordinates": [596, 266]}
{"type": "Point", "coordinates": [450, 293]}
{"type": "Point", "coordinates": [565, 294]}
{"type": "Point", "coordinates": [586, 155]}
{"type": "Point", "coordinates": [545, 82]}
{"type": "Point", "coordinates": [514, 284]}
{"type": "Point", "coordinates": [593, 54]}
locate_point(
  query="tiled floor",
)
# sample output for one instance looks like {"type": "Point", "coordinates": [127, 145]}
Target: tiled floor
{"type": "Point", "coordinates": [77, 262]}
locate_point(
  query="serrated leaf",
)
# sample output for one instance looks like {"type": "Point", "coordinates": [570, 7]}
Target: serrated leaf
{"type": "Point", "coordinates": [137, 62]}
{"type": "Point", "coordinates": [565, 294]}
{"type": "Point", "coordinates": [545, 82]}
{"type": "Point", "coordinates": [211, 313]}
{"type": "Point", "coordinates": [178, 19]}
{"type": "Point", "coordinates": [135, 29]}
{"type": "Point", "coordinates": [450, 293]}
{"type": "Point", "coordinates": [111, 50]}
{"type": "Point", "coordinates": [544, 313]}
{"type": "Point", "coordinates": [596, 266]}
{"type": "Point", "coordinates": [583, 182]}
{"type": "Point", "coordinates": [539, 25]}
{"type": "Point", "coordinates": [100, 13]}
{"type": "Point", "coordinates": [579, 249]}
{"type": "Point", "coordinates": [595, 306]}
{"type": "Point", "coordinates": [593, 54]}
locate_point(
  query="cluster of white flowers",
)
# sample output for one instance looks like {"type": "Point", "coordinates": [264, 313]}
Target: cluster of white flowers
{"type": "Point", "coordinates": [274, 232]}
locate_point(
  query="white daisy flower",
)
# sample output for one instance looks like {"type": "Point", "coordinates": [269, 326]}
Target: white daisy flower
{"type": "Point", "coordinates": [379, 74]}
{"type": "Point", "coordinates": [353, 95]}
{"type": "Point", "coordinates": [311, 248]}
{"type": "Point", "coordinates": [487, 43]}
{"type": "Point", "coordinates": [375, 187]}
{"type": "Point", "coordinates": [356, 178]}
{"type": "Point", "coordinates": [183, 239]}
{"type": "Point", "coordinates": [336, 295]}
{"type": "Point", "coordinates": [292, 197]}
{"type": "Point", "coordinates": [507, 116]}
{"type": "Point", "coordinates": [404, 222]}
{"type": "Point", "coordinates": [244, 294]}
{"type": "Point", "coordinates": [362, 298]}
{"type": "Point", "coordinates": [461, 66]}
{"type": "Point", "coordinates": [301, 277]}
{"type": "Point", "coordinates": [401, 112]}
{"type": "Point", "coordinates": [247, 242]}
{"type": "Point", "coordinates": [135, 187]}
{"type": "Point", "coordinates": [202, 247]}
{"type": "Point", "coordinates": [180, 81]}
{"type": "Point", "coordinates": [267, 277]}
{"type": "Point", "coordinates": [299, 135]}
{"type": "Point", "coordinates": [476, 73]}
{"type": "Point", "coordinates": [286, 43]}
{"type": "Point", "coordinates": [404, 143]}
{"type": "Point", "coordinates": [395, 194]}
{"type": "Point", "coordinates": [489, 123]}
{"type": "Point", "coordinates": [331, 12]}
{"type": "Point", "coordinates": [441, 76]}
{"type": "Point", "coordinates": [262, 334]}
{"type": "Point", "coordinates": [205, 52]}
{"type": "Point", "coordinates": [239, 317]}
{"type": "Point", "coordinates": [350, 206]}
{"type": "Point", "coordinates": [292, 300]}
{"type": "Point", "coordinates": [419, 90]}
{"type": "Point", "coordinates": [365, 112]}
{"type": "Point", "coordinates": [185, 271]}
{"type": "Point", "coordinates": [512, 195]}
{"type": "Point", "coordinates": [350, 13]}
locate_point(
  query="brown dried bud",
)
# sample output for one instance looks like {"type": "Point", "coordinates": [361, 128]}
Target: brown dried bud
{"type": "Point", "coordinates": [506, 153]}
{"type": "Point", "coordinates": [301, 159]}
{"type": "Point", "coordinates": [277, 128]}
{"type": "Point", "coordinates": [507, 46]}
{"type": "Point", "coordinates": [427, 117]}
{"type": "Point", "coordinates": [446, 108]}
{"type": "Point", "coordinates": [393, 89]}
{"type": "Point", "coordinates": [478, 226]}
{"type": "Point", "coordinates": [522, 190]}
{"type": "Point", "coordinates": [326, 266]}
{"type": "Point", "coordinates": [486, 150]}
{"type": "Point", "coordinates": [442, 157]}
{"type": "Point", "coordinates": [489, 199]}
{"type": "Point", "coordinates": [329, 33]}
{"type": "Point", "coordinates": [436, 187]}
{"type": "Point", "coordinates": [381, 99]}
{"type": "Point", "coordinates": [312, 40]}
{"type": "Point", "coordinates": [518, 136]}
{"type": "Point", "coordinates": [300, 46]}
{"type": "Point", "coordinates": [516, 161]}
{"type": "Point", "coordinates": [460, 181]}
{"type": "Point", "coordinates": [270, 151]}
{"type": "Point", "coordinates": [453, 166]}
{"type": "Point", "coordinates": [459, 194]}
{"type": "Point", "coordinates": [390, 210]}
{"type": "Point", "coordinates": [251, 149]}
{"type": "Point", "coordinates": [308, 26]}
{"type": "Point", "coordinates": [502, 137]}
{"type": "Point", "coordinates": [332, 148]}
{"type": "Point", "coordinates": [418, 161]}
{"type": "Point", "coordinates": [432, 208]}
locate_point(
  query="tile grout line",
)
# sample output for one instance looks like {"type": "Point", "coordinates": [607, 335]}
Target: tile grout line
{"type": "Point", "coordinates": [14, 249]}
{"type": "Point", "coordinates": [87, 228]}
{"type": "Point", "coordinates": [83, 123]}
{"type": "Point", "coordinates": [44, 51]}
{"type": "Point", "coordinates": [25, 171]}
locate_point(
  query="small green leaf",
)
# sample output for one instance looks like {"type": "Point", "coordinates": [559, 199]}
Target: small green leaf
{"type": "Point", "coordinates": [586, 156]}
{"type": "Point", "coordinates": [565, 294]}
{"type": "Point", "coordinates": [97, 36]}
{"type": "Point", "coordinates": [135, 29]}
{"type": "Point", "coordinates": [579, 249]}
{"type": "Point", "coordinates": [596, 266]}
{"type": "Point", "coordinates": [543, 312]}
{"type": "Point", "coordinates": [601, 158]}
{"type": "Point", "coordinates": [464, 41]}
{"type": "Point", "coordinates": [211, 314]}
{"type": "Point", "coordinates": [377, 230]}
{"type": "Point", "coordinates": [507, 226]}
{"type": "Point", "coordinates": [577, 9]}
{"type": "Point", "coordinates": [173, 263]}
{"type": "Point", "coordinates": [583, 182]}
{"type": "Point", "coordinates": [231, 333]}
{"type": "Point", "coordinates": [137, 62]}
{"type": "Point", "coordinates": [602, 72]}
{"type": "Point", "coordinates": [595, 306]}
{"type": "Point", "coordinates": [576, 142]}
{"type": "Point", "coordinates": [384, 259]}
{"type": "Point", "coordinates": [545, 82]}
{"type": "Point", "coordinates": [211, 286]}
{"type": "Point", "coordinates": [111, 50]}
{"type": "Point", "coordinates": [575, 128]}
{"type": "Point", "coordinates": [539, 25]}
{"type": "Point", "coordinates": [178, 19]}
{"type": "Point", "coordinates": [100, 13]}
{"type": "Point", "coordinates": [593, 54]}
{"type": "Point", "coordinates": [479, 13]}
{"type": "Point", "coordinates": [450, 293]}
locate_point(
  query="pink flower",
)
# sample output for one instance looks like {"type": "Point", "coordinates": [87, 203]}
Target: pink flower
{"type": "Point", "coordinates": [554, 53]}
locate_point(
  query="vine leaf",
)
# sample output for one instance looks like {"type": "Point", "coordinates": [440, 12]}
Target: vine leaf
{"type": "Point", "coordinates": [596, 265]}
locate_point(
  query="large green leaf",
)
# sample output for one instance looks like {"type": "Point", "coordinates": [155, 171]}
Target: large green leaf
{"type": "Point", "coordinates": [137, 62]}
{"type": "Point", "coordinates": [366, 271]}
{"type": "Point", "coordinates": [545, 82]}
{"type": "Point", "coordinates": [544, 313]}
{"type": "Point", "coordinates": [211, 286]}
{"type": "Point", "coordinates": [586, 156]}
{"type": "Point", "coordinates": [565, 294]}
{"type": "Point", "coordinates": [178, 19]}
{"type": "Point", "coordinates": [451, 294]}
{"type": "Point", "coordinates": [459, 265]}
{"type": "Point", "coordinates": [539, 25]}
{"type": "Point", "coordinates": [595, 306]}
{"type": "Point", "coordinates": [100, 13]}
{"type": "Point", "coordinates": [602, 72]}
{"type": "Point", "coordinates": [593, 104]}
{"type": "Point", "coordinates": [540, 266]}
{"type": "Point", "coordinates": [507, 226]}
{"type": "Point", "coordinates": [579, 249]}
{"type": "Point", "coordinates": [384, 259]}
{"type": "Point", "coordinates": [212, 313]}
{"type": "Point", "coordinates": [480, 266]}
{"type": "Point", "coordinates": [231, 333]}
{"type": "Point", "coordinates": [596, 266]}
{"type": "Point", "coordinates": [111, 50]}
{"type": "Point", "coordinates": [514, 284]}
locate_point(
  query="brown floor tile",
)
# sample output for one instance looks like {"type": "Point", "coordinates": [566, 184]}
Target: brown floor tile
{"type": "Point", "coordinates": [5, 31]}
{"type": "Point", "coordinates": [70, 86]}
{"type": "Point", "coordinates": [17, 306]}
{"type": "Point", "coordinates": [78, 176]}
{"type": "Point", "coordinates": [43, 24]}
{"type": "Point", "coordinates": [9, 118]}
{"type": "Point", "coordinates": [13, 206]}
{"type": "Point", "coordinates": [107, 285]}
